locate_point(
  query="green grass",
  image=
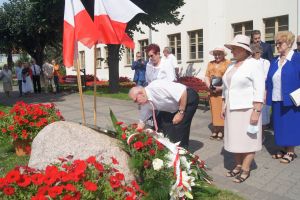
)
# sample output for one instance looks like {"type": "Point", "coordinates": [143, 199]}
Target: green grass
{"type": "Point", "coordinates": [8, 157]}
{"type": "Point", "coordinates": [218, 194]}
{"type": "Point", "coordinates": [104, 92]}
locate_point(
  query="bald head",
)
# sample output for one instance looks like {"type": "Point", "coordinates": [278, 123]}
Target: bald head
{"type": "Point", "coordinates": [138, 95]}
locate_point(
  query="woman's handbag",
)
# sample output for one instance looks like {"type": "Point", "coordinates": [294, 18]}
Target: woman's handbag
{"type": "Point", "coordinates": [215, 82]}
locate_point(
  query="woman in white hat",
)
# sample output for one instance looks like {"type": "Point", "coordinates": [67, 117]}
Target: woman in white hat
{"type": "Point", "coordinates": [243, 95]}
{"type": "Point", "coordinates": [213, 80]}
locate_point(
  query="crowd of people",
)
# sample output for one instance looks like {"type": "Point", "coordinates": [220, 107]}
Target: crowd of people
{"type": "Point", "coordinates": [244, 93]}
{"type": "Point", "coordinates": [29, 76]}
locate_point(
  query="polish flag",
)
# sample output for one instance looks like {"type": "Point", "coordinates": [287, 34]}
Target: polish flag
{"type": "Point", "coordinates": [78, 26]}
{"type": "Point", "coordinates": [111, 18]}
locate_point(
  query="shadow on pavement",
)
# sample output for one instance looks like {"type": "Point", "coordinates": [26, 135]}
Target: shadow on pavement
{"type": "Point", "coordinates": [32, 98]}
{"type": "Point", "coordinates": [195, 145]}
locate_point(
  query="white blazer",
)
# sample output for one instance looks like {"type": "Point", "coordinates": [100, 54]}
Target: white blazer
{"type": "Point", "coordinates": [247, 85]}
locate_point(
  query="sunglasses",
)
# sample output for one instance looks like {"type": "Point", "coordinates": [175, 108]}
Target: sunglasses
{"type": "Point", "coordinates": [298, 43]}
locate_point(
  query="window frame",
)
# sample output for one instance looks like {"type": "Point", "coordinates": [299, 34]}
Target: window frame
{"type": "Point", "coordinates": [198, 34]}
{"type": "Point", "coordinates": [176, 46]}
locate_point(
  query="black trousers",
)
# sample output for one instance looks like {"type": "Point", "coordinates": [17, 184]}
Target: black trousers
{"type": "Point", "coordinates": [20, 87]}
{"type": "Point", "coordinates": [179, 132]}
{"type": "Point", "coordinates": [36, 79]}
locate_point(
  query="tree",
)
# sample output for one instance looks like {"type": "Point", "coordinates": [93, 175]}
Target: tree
{"type": "Point", "coordinates": [34, 24]}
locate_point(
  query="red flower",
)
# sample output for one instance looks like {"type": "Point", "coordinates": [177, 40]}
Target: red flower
{"type": "Point", "coordinates": [152, 152]}
{"type": "Point", "coordinates": [99, 167]}
{"type": "Point", "coordinates": [138, 145]}
{"type": "Point", "coordinates": [90, 186]}
{"type": "Point", "coordinates": [120, 176]}
{"type": "Point", "coordinates": [39, 197]}
{"type": "Point", "coordinates": [4, 130]}
{"type": "Point", "coordinates": [139, 130]}
{"type": "Point", "coordinates": [124, 136]}
{"type": "Point", "coordinates": [68, 197]}
{"type": "Point", "coordinates": [14, 136]}
{"type": "Point", "coordinates": [149, 141]}
{"type": "Point", "coordinates": [124, 128]}
{"type": "Point", "coordinates": [91, 159]}
{"type": "Point", "coordinates": [147, 164]}
{"type": "Point", "coordinates": [114, 182]}
{"type": "Point", "coordinates": [114, 161]}
{"type": "Point", "coordinates": [13, 176]}
{"type": "Point", "coordinates": [24, 181]}
{"type": "Point", "coordinates": [24, 135]}
{"type": "Point", "coordinates": [55, 191]}
{"type": "Point", "coordinates": [37, 179]}
{"type": "Point", "coordinates": [11, 128]}
{"type": "Point", "coordinates": [2, 182]}
{"type": "Point", "coordinates": [70, 187]}
{"type": "Point", "coordinates": [119, 123]}
{"type": "Point", "coordinates": [9, 191]}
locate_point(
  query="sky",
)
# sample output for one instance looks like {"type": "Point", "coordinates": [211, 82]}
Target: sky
{"type": "Point", "coordinates": [1, 2]}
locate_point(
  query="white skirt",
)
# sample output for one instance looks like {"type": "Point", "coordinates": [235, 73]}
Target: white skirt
{"type": "Point", "coordinates": [27, 86]}
{"type": "Point", "coordinates": [236, 137]}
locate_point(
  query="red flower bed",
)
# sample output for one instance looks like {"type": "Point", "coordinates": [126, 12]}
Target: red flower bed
{"type": "Point", "coordinates": [193, 82]}
{"type": "Point", "coordinates": [79, 179]}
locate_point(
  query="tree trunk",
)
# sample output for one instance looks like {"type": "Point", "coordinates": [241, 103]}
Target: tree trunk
{"type": "Point", "coordinates": [9, 59]}
{"type": "Point", "coordinates": [113, 68]}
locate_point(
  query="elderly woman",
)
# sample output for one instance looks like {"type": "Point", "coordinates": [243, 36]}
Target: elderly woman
{"type": "Point", "coordinates": [284, 78]}
{"type": "Point", "coordinates": [257, 51]}
{"type": "Point", "coordinates": [158, 68]}
{"type": "Point", "coordinates": [7, 80]}
{"type": "Point", "coordinates": [243, 95]}
{"type": "Point", "coordinates": [215, 71]}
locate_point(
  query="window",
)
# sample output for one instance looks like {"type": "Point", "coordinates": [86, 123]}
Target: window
{"type": "Point", "coordinates": [98, 58]}
{"type": "Point", "coordinates": [196, 45]}
{"type": "Point", "coordinates": [175, 44]}
{"type": "Point", "coordinates": [273, 25]}
{"type": "Point", "coordinates": [244, 28]}
{"type": "Point", "coordinates": [82, 59]}
{"type": "Point", "coordinates": [106, 57]}
{"type": "Point", "coordinates": [129, 56]}
{"type": "Point", "coordinates": [143, 46]}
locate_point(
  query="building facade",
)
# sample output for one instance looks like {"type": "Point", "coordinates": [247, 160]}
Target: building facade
{"type": "Point", "coordinates": [206, 24]}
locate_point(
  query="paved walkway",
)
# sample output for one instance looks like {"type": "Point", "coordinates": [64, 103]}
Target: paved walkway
{"type": "Point", "coordinates": [269, 180]}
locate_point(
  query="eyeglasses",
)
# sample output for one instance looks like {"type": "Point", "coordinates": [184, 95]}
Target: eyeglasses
{"type": "Point", "coordinates": [279, 43]}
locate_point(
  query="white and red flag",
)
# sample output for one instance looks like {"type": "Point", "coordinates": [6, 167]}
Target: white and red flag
{"type": "Point", "coordinates": [78, 26]}
{"type": "Point", "coordinates": [111, 18]}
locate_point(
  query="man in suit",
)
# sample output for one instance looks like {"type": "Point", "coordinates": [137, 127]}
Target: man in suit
{"type": "Point", "coordinates": [267, 48]}
{"type": "Point", "coordinates": [298, 45]}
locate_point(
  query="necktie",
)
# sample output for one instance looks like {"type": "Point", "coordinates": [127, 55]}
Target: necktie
{"type": "Point", "coordinates": [34, 70]}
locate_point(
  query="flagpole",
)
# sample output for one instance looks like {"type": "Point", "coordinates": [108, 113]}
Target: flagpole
{"type": "Point", "coordinates": [95, 86]}
{"type": "Point", "coordinates": [80, 91]}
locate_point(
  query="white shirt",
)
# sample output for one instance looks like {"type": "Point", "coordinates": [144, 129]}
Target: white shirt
{"type": "Point", "coordinates": [36, 69]}
{"type": "Point", "coordinates": [172, 60]}
{"type": "Point", "coordinates": [164, 71]}
{"type": "Point", "coordinates": [164, 95]}
{"type": "Point", "coordinates": [266, 66]}
{"type": "Point", "coordinates": [276, 79]}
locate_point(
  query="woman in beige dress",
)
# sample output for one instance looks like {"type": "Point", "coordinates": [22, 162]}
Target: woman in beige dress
{"type": "Point", "coordinates": [243, 95]}
{"type": "Point", "coordinates": [7, 80]}
{"type": "Point", "coordinates": [216, 68]}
